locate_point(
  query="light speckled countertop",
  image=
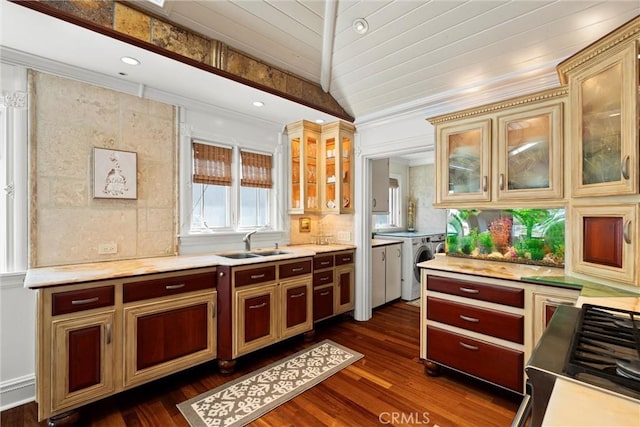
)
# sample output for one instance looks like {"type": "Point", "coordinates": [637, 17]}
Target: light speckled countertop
{"type": "Point", "coordinates": [381, 242]}
{"type": "Point", "coordinates": [79, 273]}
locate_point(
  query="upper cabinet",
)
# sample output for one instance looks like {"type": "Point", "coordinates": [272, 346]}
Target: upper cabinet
{"type": "Point", "coordinates": [380, 186]}
{"type": "Point", "coordinates": [603, 87]}
{"type": "Point", "coordinates": [321, 167]}
{"type": "Point", "coordinates": [501, 153]}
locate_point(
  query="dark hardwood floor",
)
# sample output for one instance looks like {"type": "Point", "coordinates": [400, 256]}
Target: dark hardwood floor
{"type": "Point", "coordinates": [386, 387]}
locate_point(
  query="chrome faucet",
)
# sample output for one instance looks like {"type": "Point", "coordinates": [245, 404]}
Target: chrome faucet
{"type": "Point", "coordinates": [247, 240]}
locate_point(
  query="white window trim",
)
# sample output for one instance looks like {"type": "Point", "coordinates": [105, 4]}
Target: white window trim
{"type": "Point", "coordinates": [228, 239]}
{"type": "Point", "coordinates": [401, 221]}
{"type": "Point", "coordinates": [14, 184]}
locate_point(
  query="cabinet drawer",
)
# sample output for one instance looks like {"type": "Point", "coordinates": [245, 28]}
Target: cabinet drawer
{"type": "Point", "coordinates": [82, 299]}
{"type": "Point", "coordinates": [155, 288]}
{"type": "Point", "coordinates": [480, 291]}
{"type": "Point", "coordinates": [346, 258]}
{"type": "Point", "coordinates": [490, 322]}
{"type": "Point", "coordinates": [322, 278]}
{"type": "Point", "coordinates": [295, 269]}
{"type": "Point", "coordinates": [496, 364]}
{"type": "Point", "coordinates": [255, 275]}
{"type": "Point", "coordinates": [324, 261]}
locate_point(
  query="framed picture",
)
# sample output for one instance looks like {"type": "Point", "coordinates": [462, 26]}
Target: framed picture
{"type": "Point", "coordinates": [114, 174]}
{"type": "Point", "coordinates": [305, 224]}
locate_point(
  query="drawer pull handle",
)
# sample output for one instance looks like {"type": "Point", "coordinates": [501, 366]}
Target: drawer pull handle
{"type": "Point", "coordinates": [107, 331]}
{"type": "Point", "coordinates": [501, 182]}
{"type": "Point", "coordinates": [484, 184]}
{"type": "Point", "coordinates": [468, 346]}
{"type": "Point", "coordinates": [627, 232]}
{"type": "Point", "coordinates": [171, 287]}
{"type": "Point", "coordinates": [258, 305]}
{"type": "Point", "coordinates": [325, 262]}
{"type": "Point", "coordinates": [324, 294]}
{"type": "Point", "coordinates": [469, 319]}
{"type": "Point", "coordinates": [301, 294]}
{"type": "Point", "coordinates": [346, 259]}
{"type": "Point", "coordinates": [295, 270]}
{"type": "Point", "coordinates": [257, 276]}
{"type": "Point", "coordinates": [469, 290]}
{"type": "Point", "coordinates": [84, 301]}
{"type": "Point", "coordinates": [624, 167]}
{"type": "Point", "coordinates": [324, 279]}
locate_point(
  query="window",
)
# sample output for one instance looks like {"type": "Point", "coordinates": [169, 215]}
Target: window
{"type": "Point", "coordinates": [255, 189]}
{"type": "Point", "coordinates": [394, 218]}
{"type": "Point", "coordinates": [216, 195]}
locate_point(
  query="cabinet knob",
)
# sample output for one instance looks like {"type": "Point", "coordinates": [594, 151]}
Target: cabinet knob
{"type": "Point", "coordinates": [221, 274]}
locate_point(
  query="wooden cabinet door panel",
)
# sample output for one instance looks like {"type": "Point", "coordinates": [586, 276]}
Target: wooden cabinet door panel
{"type": "Point", "coordinates": [602, 238]}
{"type": "Point", "coordinates": [322, 302]}
{"type": "Point", "coordinates": [165, 336]}
{"type": "Point", "coordinates": [257, 313]}
{"type": "Point", "coordinates": [82, 357]}
{"type": "Point", "coordinates": [345, 289]}
{"type": "Point", "coordinates": [297, 308]}
{"type": "Point", "coordinates": [296, 300]}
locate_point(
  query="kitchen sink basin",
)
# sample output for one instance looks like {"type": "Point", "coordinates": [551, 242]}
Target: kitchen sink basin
{"type": "Point", "coordinates": [239, 255]}
{"type": "Point", "coordinates": [271, 252]}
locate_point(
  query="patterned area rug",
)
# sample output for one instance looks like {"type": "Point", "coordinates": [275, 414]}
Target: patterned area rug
{"type": "Point", "coordinates": [241, 401]}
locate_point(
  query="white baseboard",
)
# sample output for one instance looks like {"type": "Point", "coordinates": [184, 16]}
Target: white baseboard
{"type": "Point", "coordinates": [17, 391]}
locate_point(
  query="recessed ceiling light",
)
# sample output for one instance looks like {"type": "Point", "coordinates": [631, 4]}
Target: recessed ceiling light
{"type": "Point", "coordinates": [129, 60]}
{"type": "Point", "coordinates": [360, 25]}
{"type": "Point", "coordinates": [258, 104]}
{"type": "Point", "coordinates": [319, 121]}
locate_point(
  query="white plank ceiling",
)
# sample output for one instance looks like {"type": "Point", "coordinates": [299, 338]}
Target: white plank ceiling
{"type": "Point", "coordinates": [413, 50]}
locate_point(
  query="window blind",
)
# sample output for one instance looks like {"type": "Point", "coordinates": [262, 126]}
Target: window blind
{"type": "Point", "coordinates": [256, 170]}
{"type": "Point", "coordinates": [212, 164]}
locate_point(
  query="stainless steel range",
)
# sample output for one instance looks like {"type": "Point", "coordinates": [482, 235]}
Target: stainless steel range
{"type": "Point", "coordinates": [593, 345]}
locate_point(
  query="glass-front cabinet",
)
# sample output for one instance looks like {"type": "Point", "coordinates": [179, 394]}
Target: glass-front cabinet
{"type": "Point", "coordinates": [337, 144]}
{"type": "Point", "coordinates": [465, 153]}
{"type": "Point", "coordinates": [304, 146]}
{"type": "Point", "coordinates": [321, 167]}
{"type": "Point", "coordinates": [502, 152]}
{"type": "Point", "coordinates": [604, 94]}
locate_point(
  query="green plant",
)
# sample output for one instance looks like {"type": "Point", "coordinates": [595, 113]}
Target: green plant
{"type": "Point", "coordinates": [452, 243]}
{"type": "Point", "coordinates": [485, 241]}
{"type": "Point", "coordinates": [529, 218]}
{"type": "Point", "coordinates": [553, 230]}
{"type": "Point", "coordinates": [467, 244]}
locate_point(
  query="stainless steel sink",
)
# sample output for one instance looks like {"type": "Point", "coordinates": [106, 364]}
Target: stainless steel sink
{"type": "Point", "coordinates": [271, 252]}
{"type": "Point", "coordinates": [239, 255]}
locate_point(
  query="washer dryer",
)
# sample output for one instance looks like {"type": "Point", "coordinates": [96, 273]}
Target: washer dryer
{"type": "Point", "coordinates": [417, 247]}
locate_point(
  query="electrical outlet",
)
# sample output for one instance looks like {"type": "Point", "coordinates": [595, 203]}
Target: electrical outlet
{"type": "Point", "coordinates": [107, 248]}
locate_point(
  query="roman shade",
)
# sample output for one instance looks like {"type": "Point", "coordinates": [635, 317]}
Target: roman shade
{"type": "Point", "coordinates": [211, 164]}
{"type": "Point", "coordinates": [393, 183]}
{"type": "Point", "coordinates": [256, 170]}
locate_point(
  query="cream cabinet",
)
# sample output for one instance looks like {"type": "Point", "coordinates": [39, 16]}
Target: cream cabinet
{"type": "Point", "coordinates": [502, 153]}
{"type": "Point", "coordinates": [304, 167]}
{"type": "Point", "coordinates": [605, 241]}
{"type": "Point", "coordinates": [321, 167]}
{"type": "Point", "coordinates": [344, 273]}
{"type": "Point", "coordinates": [380, 186]}
{"type": "Point", "coordinates": [603, 88]}
{"type": "Point", "coordinates": [386, 273]}
{"type": "Point", "coordinates": [545, 301]}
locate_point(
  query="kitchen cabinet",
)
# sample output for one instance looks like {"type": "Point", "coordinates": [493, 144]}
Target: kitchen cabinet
{"type": "Point", "coordinates": [323, 287]}
{"type": "Point", "coordinates": [502, 153]}
{"type": "Point", "coordinates": [606, 241]}
{"type": "Point", "coordinates": [77, 347]}
{"type": "Point", "coordinates": [545, 302]}
{"type": "Point", "coordinates": [386, 274]}
{"type": "Point", "coordinates": [380, 186]}
{"type": "Point", "coordinates": [337, 150]}
{"type": "Point", "coordinates": [95, 339]}
{"type": "Point", "coordinates": [603, 90]}
{"type": "Point", "coordinates": [321, 167]}
{"type": "Point", "coordinates": [467, 325]}
{"type": "Point", "coordinates": [169, 324]}
{"type": "Point", "coordinates": [344, 282]}
{"type": "Point", "coordinates": [261, 304]}
{"type": "Point", "coordinates": [304, 149]}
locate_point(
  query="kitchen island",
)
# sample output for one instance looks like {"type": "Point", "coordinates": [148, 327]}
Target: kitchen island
{"type": "Point", "coordinates": [597, 407]}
